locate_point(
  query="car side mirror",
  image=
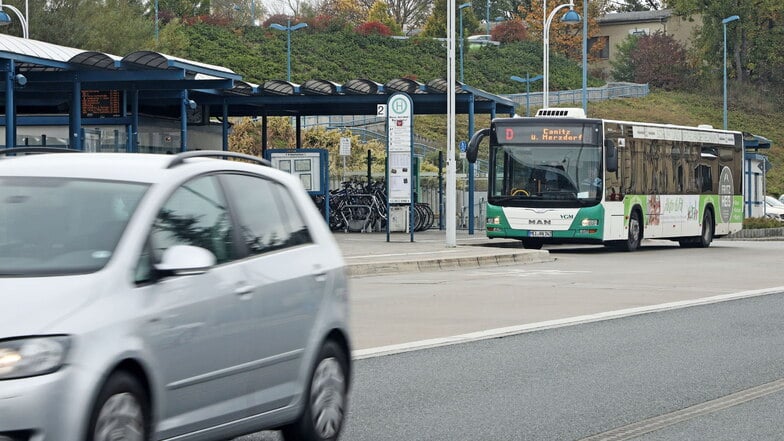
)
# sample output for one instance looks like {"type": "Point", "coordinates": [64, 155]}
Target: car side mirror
{"type": "Point", "coordinates": [184, 260]}
{"type": "Point", "coordinates": [472, 151]}
{"type": "Point", "coordinates": [610, 155]}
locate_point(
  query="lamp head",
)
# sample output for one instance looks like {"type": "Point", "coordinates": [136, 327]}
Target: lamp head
{"type": "Point", "coordinates": [5, 19]}
{"type": "Point", "coordinates": [571, 17]}
{"type": "Point", "coordinates": [730, 18]}
{"type": "Point", "coordinates": [464, 5]}
{"type": "Point", "coordinates": [277, 26]}
{"type": "Point", "coordinates": [299, 26]}
{"type": "Point", "coordinates": [20, 79]}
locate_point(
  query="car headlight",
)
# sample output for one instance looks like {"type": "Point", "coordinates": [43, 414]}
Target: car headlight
{"type": "Point", "coordinates": [28, 357]}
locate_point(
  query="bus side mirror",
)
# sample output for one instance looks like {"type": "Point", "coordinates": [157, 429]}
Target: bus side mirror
{"type": "Point", "coordinates": [473, 146]}
{"type": "Point", "coordinates": [610, 155]}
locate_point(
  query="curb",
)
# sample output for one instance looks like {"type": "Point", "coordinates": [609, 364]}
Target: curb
{"type": "Point", "coordinates": [466, 262]}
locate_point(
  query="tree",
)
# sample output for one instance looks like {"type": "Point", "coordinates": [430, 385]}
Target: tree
{"type": "Point", "coordinates": [239, 12]}
{"type": "Point", "coordinates": [660, 61]}
{"type": "Point", "coordinates": [119, 27]}
{"type": "Point", "coordinates": [754, 42]}
{"type": "Point", "coordinates": [507, 9]}
{"type": "Point", "coordinates": [622, 68]}
{"type": "Point", "coordinates": [435, 26]}
{"type": "Point", "coordinates": [633, 5]}
{"type": "Point", "coordinates": [510, 31]}
{"type": "Point", "coordinates": [373, 28]}
{"type": "Point", "coordinates": [184, 8]}
{"type": "Point", "coordinates": [565, 38]}
{"type": "Point", "coordinates": [352, 12]}
{"type": "Point", "coordinates": [379, 12]}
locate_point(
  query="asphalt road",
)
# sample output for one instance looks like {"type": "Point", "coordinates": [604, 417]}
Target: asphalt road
{"type": "Point", "coordinates": [572, 382]}
{"type": "Point", "coordinates": [401, 308]}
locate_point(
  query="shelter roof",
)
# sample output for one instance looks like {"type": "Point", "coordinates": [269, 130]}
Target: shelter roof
{"type": "Point", "coordinates": [50, 70]}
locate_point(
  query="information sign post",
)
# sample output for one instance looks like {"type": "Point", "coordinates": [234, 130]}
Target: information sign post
{"type": "Point", "coordinates": [400, 135]}
{"type": "Point", "coordinates": [311, 166]}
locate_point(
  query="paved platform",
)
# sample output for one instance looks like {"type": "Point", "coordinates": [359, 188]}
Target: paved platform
{"type": "Point", "coordinates": [370, 253]}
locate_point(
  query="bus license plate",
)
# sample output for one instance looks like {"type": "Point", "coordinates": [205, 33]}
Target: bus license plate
{"type": "Point", "coordinates": [540, 234]}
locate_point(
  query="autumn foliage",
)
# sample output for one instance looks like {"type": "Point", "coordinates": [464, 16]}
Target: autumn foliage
{"type": "Point", "coordinates": [510, 31]}
{"type": "Point", "coordinates": [660, 61]}
{"type": "Point", "coordinates": [565, 38]}
{"type": "Point", "coordinates": [373, 28]}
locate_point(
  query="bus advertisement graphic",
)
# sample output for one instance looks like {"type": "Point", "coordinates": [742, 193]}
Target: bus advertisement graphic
{"type": "Point", "coordinates": [725, 194]}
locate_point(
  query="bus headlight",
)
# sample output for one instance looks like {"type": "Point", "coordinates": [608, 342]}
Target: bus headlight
{"type": "Point", "coordinates": [494, 220]}
{"type": "Point", "coordinates": [590, 222]}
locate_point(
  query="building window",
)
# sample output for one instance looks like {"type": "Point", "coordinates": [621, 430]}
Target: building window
{"type": "Point", "coordinates": [599, 47]}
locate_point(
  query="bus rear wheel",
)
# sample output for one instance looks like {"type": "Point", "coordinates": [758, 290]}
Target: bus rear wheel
{"type": "Point", "coordinates": [705, 238]}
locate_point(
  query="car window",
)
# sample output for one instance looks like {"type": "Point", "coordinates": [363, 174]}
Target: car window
{"type": "Point", "coordinates": [195, 214]}
{"type": "Point", "coordinates": [266, 213]}
{"type": "Point", "coordinates": [57, 226]}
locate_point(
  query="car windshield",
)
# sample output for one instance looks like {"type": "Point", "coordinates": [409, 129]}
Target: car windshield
{"type": "Point", "coordinates": [59, 226]}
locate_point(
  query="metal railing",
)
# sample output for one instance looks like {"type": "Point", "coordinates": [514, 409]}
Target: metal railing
{"type": "Point", "coordinates": [557, 97]}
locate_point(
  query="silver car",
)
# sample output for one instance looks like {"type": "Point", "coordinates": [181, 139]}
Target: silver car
{"type": "Point", "coordinates": [151, 297]}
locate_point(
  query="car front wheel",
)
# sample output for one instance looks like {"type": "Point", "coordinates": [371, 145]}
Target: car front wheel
{"type": "Point", "coordinates": [121, 411]}
{"type": "Point", "coordinates": [326, 398]}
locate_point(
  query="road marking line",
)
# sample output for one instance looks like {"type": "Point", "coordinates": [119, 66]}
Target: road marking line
{"type": "Point", "coordinates": [660, 422]}
{"type": "Point", "coordinates": [558, 323]}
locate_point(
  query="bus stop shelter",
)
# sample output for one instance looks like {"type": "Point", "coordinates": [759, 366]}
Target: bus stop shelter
{"type": "Point", "coordinates": [48, 84]}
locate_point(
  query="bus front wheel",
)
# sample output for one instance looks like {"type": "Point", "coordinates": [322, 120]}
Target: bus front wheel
{"type": "Point", "coordinates": [635, 233]}
{"type": "Point", "coordinates": [529, 244]}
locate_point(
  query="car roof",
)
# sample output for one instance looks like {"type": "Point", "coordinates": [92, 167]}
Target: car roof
{"type": "Point", "coordinates": [131, 167]}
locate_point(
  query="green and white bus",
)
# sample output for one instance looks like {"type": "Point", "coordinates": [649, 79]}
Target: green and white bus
{"type": "Point", "coordinates": [560, 177]}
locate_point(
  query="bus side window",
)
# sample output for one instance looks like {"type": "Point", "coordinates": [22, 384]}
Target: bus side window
{"type": "Point", "coordinates": [704, 178]}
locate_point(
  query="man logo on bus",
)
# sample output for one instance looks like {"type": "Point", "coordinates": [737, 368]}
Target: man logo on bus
{"type": "Point", "coordinates": [509, 134]}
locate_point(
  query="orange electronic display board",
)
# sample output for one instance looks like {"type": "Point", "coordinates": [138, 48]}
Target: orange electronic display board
{"type": "Point", "coordinates": [101, 104]}
{"type": "Point", "coordinates": [550, 133]}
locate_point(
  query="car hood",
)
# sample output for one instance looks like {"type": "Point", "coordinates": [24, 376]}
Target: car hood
{"type": "Point", "coordinates": [35, 305]}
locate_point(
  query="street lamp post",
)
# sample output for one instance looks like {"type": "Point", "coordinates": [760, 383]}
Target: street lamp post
{"type": "Point", "coordinates": [288, 28]}
{"type": "Point", "coordinates": [460, 8]}
{"type": "Point", "coordinates": [724, 66]}
{"type": "Point", "coordinates": [570, 17]}
{"type": "Point", "coordinates": [156, 21]}
{"type": "Point", "coordinates": [5, 19]}
{"type": "Point", "coordinates": [527, 80]}
{"type": "Point", "coordinates": [487, 17]}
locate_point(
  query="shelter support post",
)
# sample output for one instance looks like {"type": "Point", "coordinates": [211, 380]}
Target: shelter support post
{"type": "Point", "coordinates": [10, 107]}
{"type": "Point", "coordinates": [134, 134]}
{"type": "Point", "coordinates": [471, 166]}
{"type": "Point", "coordinates": [225, 126]}
{"type": "Point", "coordinates": [75, 118]}
{"type": "Point", "coordinates": [263, 134]}
{"type": "Point", "coordinates": [184, 121]}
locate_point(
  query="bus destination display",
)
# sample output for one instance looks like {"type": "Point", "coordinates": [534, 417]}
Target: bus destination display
{"type": "Point", "coordinates": [545, 134]}
{"type": "Point", "coordinates": [101, 104]}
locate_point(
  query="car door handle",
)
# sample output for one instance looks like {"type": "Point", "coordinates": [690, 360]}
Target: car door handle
{"type": "Point", "coordinates": [319, 274]}
{"type": "Point", "coordinates": [244, 291]}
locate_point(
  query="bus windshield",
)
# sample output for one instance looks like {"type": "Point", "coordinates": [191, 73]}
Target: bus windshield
{"type": "Point", "coordinates": [554, 173]}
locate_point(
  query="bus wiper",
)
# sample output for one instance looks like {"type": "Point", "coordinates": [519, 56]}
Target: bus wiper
{"type": "Point", "coordinates": [563, 194]}
{"type": "Point", "coordinates": [514, 197]}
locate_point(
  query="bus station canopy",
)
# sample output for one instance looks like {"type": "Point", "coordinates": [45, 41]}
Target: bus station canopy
{"type": "Point", "coordinates": [43, 79]}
